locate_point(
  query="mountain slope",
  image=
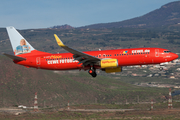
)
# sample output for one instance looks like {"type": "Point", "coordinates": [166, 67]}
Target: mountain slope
{"type": "Point", "coordinates": [18, 85]}
{"type": "Point", "coordinates": [168, 14]}
{"type": "Point", "coordinates": [62, 27]}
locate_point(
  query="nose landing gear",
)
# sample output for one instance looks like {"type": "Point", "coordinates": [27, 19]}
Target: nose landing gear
{"type": "Point", "coordinates": [92, 72]}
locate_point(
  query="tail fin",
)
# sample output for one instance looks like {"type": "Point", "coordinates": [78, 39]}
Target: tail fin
{"type": "Point", "coordinates": [19, 44]}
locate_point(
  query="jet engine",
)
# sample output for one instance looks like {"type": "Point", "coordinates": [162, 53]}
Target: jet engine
{"type": "Point", "coordinates": [109, 63]}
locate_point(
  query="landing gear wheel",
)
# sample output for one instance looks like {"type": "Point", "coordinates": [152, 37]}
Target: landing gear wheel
{"type": "Point", "coordinates": [92, 72]}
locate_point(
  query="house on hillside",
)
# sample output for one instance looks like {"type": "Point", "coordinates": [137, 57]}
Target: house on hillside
{"type": "Point", "coordinates": [172, 77]}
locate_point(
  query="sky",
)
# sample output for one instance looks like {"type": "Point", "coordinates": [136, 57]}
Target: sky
{"type": "Point", "coordinates": [33, 14]}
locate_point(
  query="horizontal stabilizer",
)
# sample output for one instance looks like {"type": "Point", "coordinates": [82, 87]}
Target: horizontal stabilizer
{"type": "Point", "coordinates": [14, 57]}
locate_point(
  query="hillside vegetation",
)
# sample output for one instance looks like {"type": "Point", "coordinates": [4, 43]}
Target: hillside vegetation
{"type": "Point", "coordinates": [18, 85]}
{"type": "Point", "coordinates": [160, 28]}
{"type": "Point", "coordinates": [92, 39]}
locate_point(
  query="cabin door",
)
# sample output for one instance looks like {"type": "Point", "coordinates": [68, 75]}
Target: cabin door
{"type": "Point", "coordinates": [156, 52]}
{"type": "Point", "coordinates": [38, 62]}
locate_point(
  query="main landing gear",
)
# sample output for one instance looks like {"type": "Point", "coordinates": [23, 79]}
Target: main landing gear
{"type": "Point", "coordinates": [92, 72]}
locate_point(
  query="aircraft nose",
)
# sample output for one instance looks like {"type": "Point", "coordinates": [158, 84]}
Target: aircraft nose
{"type": "Point", "coordinates": [174, 56]}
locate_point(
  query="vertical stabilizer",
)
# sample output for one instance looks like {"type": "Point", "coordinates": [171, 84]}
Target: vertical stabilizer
{"type": "Point", "coordinates": [18, 42]}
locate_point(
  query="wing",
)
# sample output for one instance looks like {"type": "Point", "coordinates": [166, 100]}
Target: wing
{"type": "Point", "coordinates": [83, 58]}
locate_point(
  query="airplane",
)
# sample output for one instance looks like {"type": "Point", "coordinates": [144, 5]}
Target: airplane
{"type": "Point", "coordinates": [105, 60]}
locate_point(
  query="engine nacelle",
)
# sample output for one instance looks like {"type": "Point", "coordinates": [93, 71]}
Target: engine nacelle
{"type": "Point", "coordinates": [109, 63]}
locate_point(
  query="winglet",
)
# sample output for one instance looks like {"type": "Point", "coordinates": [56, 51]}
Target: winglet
{"type": "Point", "coordinates": [59, 42]}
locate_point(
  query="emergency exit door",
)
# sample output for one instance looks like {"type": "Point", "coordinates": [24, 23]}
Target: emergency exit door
{"type": "Point", "coordinates": [156, 52]}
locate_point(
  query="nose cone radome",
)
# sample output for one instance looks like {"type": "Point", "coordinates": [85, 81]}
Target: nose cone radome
{"type": "Point", "coordinates": [174, 56]}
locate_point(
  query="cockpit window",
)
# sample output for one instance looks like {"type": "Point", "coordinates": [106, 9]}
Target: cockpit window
{"type": "Point", "coordinates": [167, 51]}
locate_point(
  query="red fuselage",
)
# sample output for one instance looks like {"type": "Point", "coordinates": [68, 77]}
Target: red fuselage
{"type": "Point", "coordinates": [125, 57]}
